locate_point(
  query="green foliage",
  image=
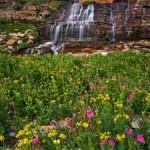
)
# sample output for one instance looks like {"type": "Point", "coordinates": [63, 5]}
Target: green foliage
{"type": "Point", "coordinates": [37, 2]}
{"type": "Point", "coordinates": [15, 26]}
{"type": "Point", "coordinates": [39, 89]}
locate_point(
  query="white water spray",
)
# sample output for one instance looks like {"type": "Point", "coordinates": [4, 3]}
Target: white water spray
{"type": "Point", "coordinates": [113, 25]}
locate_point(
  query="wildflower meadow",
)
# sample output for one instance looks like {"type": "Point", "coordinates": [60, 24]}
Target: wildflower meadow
{"type": "Point", "coordinates": [75, 103]}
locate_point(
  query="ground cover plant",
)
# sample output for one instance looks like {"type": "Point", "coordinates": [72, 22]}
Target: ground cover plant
{"type": "Point", "coordinates": [71, 103]}
{"type": "Point", "coordinates": [15, 27]}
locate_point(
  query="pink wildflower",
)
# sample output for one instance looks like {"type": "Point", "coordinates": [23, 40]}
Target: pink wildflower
{"type": "Point", "coordinates": [131, 96]}
{"type": "Point", "coordinates": [68, 122]}
{"type": "Point", "coordinates": [90, 113]}
{"type": "Point", "coordinates": [102, 143]}
{"type": "Point", "coordinates": [129, 131]}
{"type": "Point", "coordinates": [112, 142]}
{"type": "Point", "coordinates": [140, 138]}
{"type": "Point", "coordinates": [101, 89]}
{"type": "Point", "coordinates": [92, 86]}
{"type": "Point", "coordinates": [35, 140]}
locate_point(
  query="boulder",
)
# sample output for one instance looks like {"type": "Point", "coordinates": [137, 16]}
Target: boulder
{"type": "Point", "coordinates": [19, 42]}
{"type": "Point", "coordinates": [10, 47]}
{"type": "Point", "coordinates": [144, 44]}
{"type": "Point", "coordinates": [1, 40]}
{"type": "Point", "coordinates": [10, 42]}
{"type": "Point", "coordinates": [30, 37]}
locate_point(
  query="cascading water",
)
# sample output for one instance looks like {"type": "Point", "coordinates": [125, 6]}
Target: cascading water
{"type": "Point", "coordinates": [75, 27]}
{"type": "Point", "coordinates": [127, 13]}
{"type": "Point", "coordinates": [113, 25]}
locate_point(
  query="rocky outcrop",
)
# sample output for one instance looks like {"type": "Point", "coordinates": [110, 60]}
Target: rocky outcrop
{"type": "Point", "coordinates": [14, 42]}
{"type": "Point", "coordinates": [122, 19]}
{"type": "Point", "coordinates": [25, 12]}
{"type": "Point", "coordinates": [84, 49]}
{"type": "Point", "coordinates": [131, 20]}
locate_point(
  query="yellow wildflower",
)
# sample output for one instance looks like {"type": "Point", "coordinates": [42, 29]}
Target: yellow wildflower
{"type": "Point", "coordinates": [148, 98]}
{"type": "Point", "coordinates": [82, 102]}
{"type": "Point", "coordinates": [92, 100]}
{"type": "Point", "coordinates": [24, 141]}
{"type": "Point", "coordinates": [85, 124]}
{"type": "Point", "coordinates": [78, 124]}
{"type": "Point", "coordinates": [56, 141]}
{"type": "Point", "coordinates": [52, 133]}
{"type": "Point", "coordinates": [106, 97]}
{"type": "Point", "coordinates": [62, 136]}
{"type": "Point", "coordinates": [100, 97]}
{"type": "Point", "coordinates": [117, 117]}
{"type": "Point", "coordinates": [119, 104]}
{"type": "Point", "coordinates": [28, 126]}
{"type": "Point", "coordinates": [28, 133]}
{"type": "Point", "coordinates": [96, 112]}
{"type": "Point", "coordinates": [126, 116]}
{"type": "Point", "coordinates": [35, 133]}
{"type": "Point", "coordinates": [2, 138]}
{"type": "Point", "coordinates": [99, 122]}
{"type": "Point", "coordinates": [120, 137]}
{"type": "Point", "coordinates": [105, 136]}
{"type": "Point", "coordinates": [107, 81]}
{"type": "Point", "coordinates": [43, 127]}
{"type": "Point", "coordinates": [20, 133]}
{"type": "Point", "coordinates": [52, 127]}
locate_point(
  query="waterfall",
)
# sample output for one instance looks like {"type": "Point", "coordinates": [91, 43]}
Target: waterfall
{"type": "Point", "coordinates": [113, 25]}
{"type": "Point", "coordinates": [79, 21]}
{"type": "Point", "coordinates": [52, 32]}
{"type": "Point", "coordinates": [58, 31]}
{"type": "Point", "coordinates": [127, 13]}
{"type": "Point", "coordinates": [74, 26]}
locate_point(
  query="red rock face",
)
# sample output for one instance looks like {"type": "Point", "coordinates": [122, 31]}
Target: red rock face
{"type": "Point", "coordinates": [111, 1]}
{"type": "Point", "coordinates": [97, 1]}
{"type": "Point", "coordinates": [131, 19]}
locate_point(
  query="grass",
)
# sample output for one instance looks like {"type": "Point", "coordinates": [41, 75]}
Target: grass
{"type": "Point", "coordinates": [15, 27]}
